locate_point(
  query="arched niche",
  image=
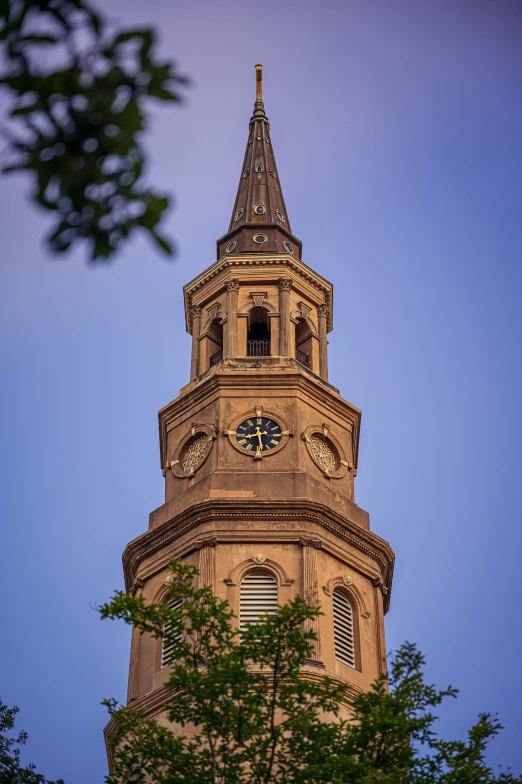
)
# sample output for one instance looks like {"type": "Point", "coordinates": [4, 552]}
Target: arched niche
{"type": "Point", "coordinates": [211, 341]}
{"type": "Point", "coordinates": [258, 563]}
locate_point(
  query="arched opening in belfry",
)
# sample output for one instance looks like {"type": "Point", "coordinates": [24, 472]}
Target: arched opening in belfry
{"type": "Point", "coordinates": [303, 342]}
{"type": "Point", "coordinates": [258, 338]}
{"type": "Point", "coordinates": [215, 342]}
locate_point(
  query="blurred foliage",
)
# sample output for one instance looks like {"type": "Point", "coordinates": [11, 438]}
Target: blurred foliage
{"type": "Point", "coordinates": [80, 104]}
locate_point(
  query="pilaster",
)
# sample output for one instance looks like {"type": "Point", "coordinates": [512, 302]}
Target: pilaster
{"type": "Point", "coordinates": [232, 287]}
{"type": "Point", "coordinates": [195, 317]}
{"type": "Point", "coordinates": [322, 317]}
{"type": "Point", "coordinates": [311, 591]}
{"type": "Point", "coordinates": [284, 284]}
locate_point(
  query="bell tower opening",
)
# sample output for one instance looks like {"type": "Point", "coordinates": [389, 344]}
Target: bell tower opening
{"type": "Point", "coordinates": [215, 342]}
{"type": "Point", "coordinates": [258, 338]}
{"type": "Point", "coordinates": [303, 342]}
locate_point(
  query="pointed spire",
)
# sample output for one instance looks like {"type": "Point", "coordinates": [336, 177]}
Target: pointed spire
{"type": "Point", "coordinates": [259, 221]}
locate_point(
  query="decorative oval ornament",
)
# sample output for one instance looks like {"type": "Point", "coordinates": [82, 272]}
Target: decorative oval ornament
{"type": "Point", "coordinates": [326, 451]}
{"type": "Point", "coordinates": [192, 450]}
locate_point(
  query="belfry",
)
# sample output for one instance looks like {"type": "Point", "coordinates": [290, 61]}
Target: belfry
{"type": "Point", "coordinates": [259, 451]}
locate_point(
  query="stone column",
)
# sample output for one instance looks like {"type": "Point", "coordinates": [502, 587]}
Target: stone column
{"type": "Point", "coordinates": [232, 296]}
{"type": "Point", "coordinates": [284, 316]}
{"type": "Point", "coordinates": [322, 313]}
{"type": "Point", "coordinates": [132, 690]}
{"type": "Point", "coordinates": [206, 562]}
{"type": "Point", "coordinates": [311, 590]}
{"type": "Point", "coordinates": [195, 315]}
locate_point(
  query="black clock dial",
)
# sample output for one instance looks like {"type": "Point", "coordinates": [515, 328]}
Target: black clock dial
{"type": "Point", "coordinates": [258, 433]}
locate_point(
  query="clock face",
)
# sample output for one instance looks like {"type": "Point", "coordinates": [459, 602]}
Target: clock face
{"type": "Point", "coordinates": [258, 433]}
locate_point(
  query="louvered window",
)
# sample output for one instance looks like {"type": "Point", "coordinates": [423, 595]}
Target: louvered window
{"type": "Point", "coordinates": [257, 597]}
{"type": "Point", "coordinates": [170, 638]}
{"type": "Point", "coordinates": [343, 628]}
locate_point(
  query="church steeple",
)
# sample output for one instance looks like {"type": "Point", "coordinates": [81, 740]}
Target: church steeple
{"type": "Point", "coordinates": [259, 453]}
{"type": "Point", "coordinates": [259, 221]}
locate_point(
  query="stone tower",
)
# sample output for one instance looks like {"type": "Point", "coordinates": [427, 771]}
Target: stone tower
{"type": "Point", "coordinates": [259, 451]}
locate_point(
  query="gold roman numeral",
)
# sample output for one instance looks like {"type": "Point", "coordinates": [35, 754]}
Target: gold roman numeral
{"type": "Point", "coordinates": [249, 446]}
{"type": "Point", "coordinates": [274, 442]}
{"type": "Point", "coordinates": [249, 421]}
{"type": "Point", "coordinates": [242, 441]}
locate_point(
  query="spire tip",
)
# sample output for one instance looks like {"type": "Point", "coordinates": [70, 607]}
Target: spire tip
{"type": "Point", "coordinates": [259, 82]}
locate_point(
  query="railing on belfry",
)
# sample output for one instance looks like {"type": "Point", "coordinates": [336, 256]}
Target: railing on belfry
{"type": "Point", "coordinates": [301, 357]}
{"type": "Point", "coordinates": [258, 348]}
{"type": "Point", "coordinates": [215, 358]}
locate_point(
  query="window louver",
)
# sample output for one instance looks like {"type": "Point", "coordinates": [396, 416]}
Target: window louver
{"type": "Point", "coordinates": [343, 629]}
{"type": "Point", "coordinates": [257, 597]}
{"type": "Point", "coordinates": [168, 653]}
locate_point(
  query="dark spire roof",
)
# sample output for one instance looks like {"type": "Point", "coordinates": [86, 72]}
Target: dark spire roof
{"type": "Point", "coordinates": [259, 208]}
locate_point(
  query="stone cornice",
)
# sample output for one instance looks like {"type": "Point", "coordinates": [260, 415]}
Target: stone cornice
{"type": "Point", "coordinates": [295, 510]}
{"type": "Point", "coordinates": [281, 261]}
{"type": "Point", "coordinates": [157, 700]}
{"type": "Point", "coordinates": [232, 377]}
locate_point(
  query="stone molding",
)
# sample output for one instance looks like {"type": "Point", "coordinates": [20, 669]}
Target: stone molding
{"type": "Point", "coordinates": [157, 700]}
{"type": "Point", "coordinates": [294, 378]}
{"type": "Point", "coordinates": [265, 303]}
{"type": "Point", "coordinates": [379, 583]}
{"type": "Point", "coordinates": [266, 261]}
{"type": "Point", "coordinates": [194, 312]}
{"type": "Point", "coordinates": [295, 315]}
{"type": "Point", "coordinates": [214, 313]}
{"type": "Point", "coordinates": [274, 511]}
{"type": "Point", "coordinates": [258, 298]}
{"type": "Point", "coordinates": [238, 572]}
{"type": "Point", "coordinates": [284, 284]}
{"type": "Point", "coordinates": [351, 589]}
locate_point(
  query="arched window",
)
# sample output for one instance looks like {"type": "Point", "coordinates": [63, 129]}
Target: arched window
{"type": "Point", "coordinates": [257, 597]}
{"type": "Point", "coordinates": [258, 338]}
{"type": "Point", "coordinates": [303, 342]}
{"type": "Point", "coordinates": [170, 637]}
{"type": "Point", "coordinates": [344, 638]}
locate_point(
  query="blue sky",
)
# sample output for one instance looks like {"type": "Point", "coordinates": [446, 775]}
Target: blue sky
{"type": "Point", "coordinates": [396, 127]}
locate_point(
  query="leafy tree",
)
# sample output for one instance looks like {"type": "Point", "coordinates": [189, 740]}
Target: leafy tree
{"type": "Point", "coordinates": [80, 93]}
{"type": "Point", "coordinates": [11, 770]}
{"type": "Point", "coordinates": [249, 716]}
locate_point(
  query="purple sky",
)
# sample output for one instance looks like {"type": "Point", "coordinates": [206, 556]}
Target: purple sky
{"type": "Point", "coordinates": [397, 130]}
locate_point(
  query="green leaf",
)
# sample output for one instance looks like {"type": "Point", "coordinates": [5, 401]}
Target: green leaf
{"type": "Point", "coordinates": [164, 95]}
{"type": "Point", "coordinates": [164, 244]}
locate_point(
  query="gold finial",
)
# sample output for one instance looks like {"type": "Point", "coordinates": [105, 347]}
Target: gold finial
{"type": "Point", "coordinates": [259, 82]}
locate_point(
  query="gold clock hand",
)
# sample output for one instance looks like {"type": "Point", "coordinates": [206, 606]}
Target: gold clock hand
{"type": "Point", "coordinates": [258, 433]}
